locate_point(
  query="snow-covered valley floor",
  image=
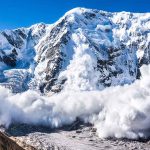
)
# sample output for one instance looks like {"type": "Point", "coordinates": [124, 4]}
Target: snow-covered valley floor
{"type": "Point", "coordinates": [77, 136]}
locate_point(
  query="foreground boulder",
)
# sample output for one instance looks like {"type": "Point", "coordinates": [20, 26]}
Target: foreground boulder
{"type": "Point", "coordinates": [7, 144]}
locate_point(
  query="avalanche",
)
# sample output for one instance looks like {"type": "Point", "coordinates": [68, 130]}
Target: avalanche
{"type": "Point", "coordinates": [121, 111]}
{"type": "Point", "coordinates": [87, 65]}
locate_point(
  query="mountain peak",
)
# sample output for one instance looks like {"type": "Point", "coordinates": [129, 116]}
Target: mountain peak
{"type": "Point", "coordinates": [111, 45]}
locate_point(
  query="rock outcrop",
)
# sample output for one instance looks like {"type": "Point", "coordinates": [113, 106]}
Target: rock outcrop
{"type": "Point", "coordinates": [7, 144]}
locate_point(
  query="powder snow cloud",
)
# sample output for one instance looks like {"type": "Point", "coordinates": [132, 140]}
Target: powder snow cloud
{"type": "Point", "coordinates": [121, 111]}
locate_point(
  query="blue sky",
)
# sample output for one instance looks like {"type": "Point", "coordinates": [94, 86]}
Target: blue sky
{"type": "Point", "coordinates": [18, 13]}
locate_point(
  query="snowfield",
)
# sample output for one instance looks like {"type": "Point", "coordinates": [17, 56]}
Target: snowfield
{"type": "Point", "coordinates": [90, 64]}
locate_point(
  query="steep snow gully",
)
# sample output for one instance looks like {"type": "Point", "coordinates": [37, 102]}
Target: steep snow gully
{"type": "Point", "coordinates": [90, 64]}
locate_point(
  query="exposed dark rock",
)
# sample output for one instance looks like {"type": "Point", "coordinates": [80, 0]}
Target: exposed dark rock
{"type": "Point", "coordinates": [7, 144]}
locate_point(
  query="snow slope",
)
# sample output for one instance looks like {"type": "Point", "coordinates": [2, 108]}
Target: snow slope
{"type": "Point", "coordinates": [84, 50]}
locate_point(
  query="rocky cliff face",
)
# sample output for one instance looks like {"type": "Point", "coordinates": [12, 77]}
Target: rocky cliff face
{"type": "Point", "coordinates": [84, 50]}
{"type": "Point", "coordinates": [8, 144]}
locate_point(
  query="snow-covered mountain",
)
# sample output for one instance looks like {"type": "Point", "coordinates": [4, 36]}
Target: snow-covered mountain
{"type": "Point", "coordinates": [84, 50]}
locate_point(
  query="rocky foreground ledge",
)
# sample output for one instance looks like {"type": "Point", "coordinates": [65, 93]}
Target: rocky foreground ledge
{"type": "Point", "coordinates": [8, 144]}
